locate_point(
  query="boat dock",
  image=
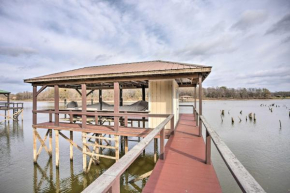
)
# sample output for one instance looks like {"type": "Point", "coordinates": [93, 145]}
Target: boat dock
{"type": "Point", "coordinates": [185, 147]}
{"type": "Point", "coordinates": [17, 108]}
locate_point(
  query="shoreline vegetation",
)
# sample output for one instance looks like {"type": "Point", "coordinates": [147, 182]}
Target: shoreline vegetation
{"type": "Point", "coordinates": [185, 94]}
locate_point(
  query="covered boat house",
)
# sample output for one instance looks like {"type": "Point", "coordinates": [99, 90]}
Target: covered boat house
{"type": "Point", "coordinates": [159, 116]}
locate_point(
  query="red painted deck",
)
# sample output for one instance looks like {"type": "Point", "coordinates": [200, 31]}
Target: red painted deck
{"type": "Point", "coordinates": [183, 169]}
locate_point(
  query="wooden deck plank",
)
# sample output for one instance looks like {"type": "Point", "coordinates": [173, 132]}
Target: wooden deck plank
{"type": "Point", "coordinates": [184, 170]}
{"type": "Point", "coordinates": [101, 129]}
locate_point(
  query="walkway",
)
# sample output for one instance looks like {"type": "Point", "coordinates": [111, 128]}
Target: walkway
{"type": "Point", "coordinates": [183, 169]}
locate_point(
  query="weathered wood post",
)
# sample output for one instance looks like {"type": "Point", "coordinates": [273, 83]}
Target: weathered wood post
{"type": "Point", "coordinates": [56, 123]}
{"type": "Point", "coordinates": [200, 103]}
{"type": "Point", "coordinates": [34, 105]}
{"type": "Point", "coordinates": [84, 152]}
{"type": "Point", "coordinates": [116, 105]}
{"type": "Point", "coordinates": [34, 121]}
{"type": "Point", "coordinates": [172, 125]}
{"type": "Point", "coordinates": [84, 105]}
{"type": "Point", "coordinates": [162, 148]}
{"type": "Point", "coordinates": [56, 148]}
{"type": "Point", "coordinates": [208, 148]}
{"type": "Point", "coordinates": [121, 97]}
{"type": "Point", "coordinates": [194, 95]}
{"type": "Point", "coordinates": [50, 143]}
{"type": "Point", "coordinates": [155, 149]}
{"type": "Point", "coordinates": [71, 145]}
{"type": "Point", "coordinates": [100, 99]}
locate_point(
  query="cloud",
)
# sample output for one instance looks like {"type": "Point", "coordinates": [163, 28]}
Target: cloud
{"type": "Point", "coordinates": [17, 51]}
{"type": "Point", "coordinates": [250, 18]}
{"type": "Point", "coordinates": [281, 27]}
{"type": "Point", "coordinates": [49, 36]}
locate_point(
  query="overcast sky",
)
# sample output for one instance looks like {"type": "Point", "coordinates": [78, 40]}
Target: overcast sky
{"type": "Point", "coordinates": [246, 42]}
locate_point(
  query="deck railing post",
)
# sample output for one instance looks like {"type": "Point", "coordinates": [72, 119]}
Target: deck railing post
{"type": "Point", "coordinates": [116, 105]}
{"type": "Point", "coordinates": [50, 116]}
{"type": "Point", "coordinates": [56, 105]}
{"type": "Point", "coordinates": [162, 148]}
{"type": "Point", "coordinates": [208, 148]}
{"type": "Point", "coordinates": [34, 118]}
{"type": "Point", "coordinates": [194, 111]}
{"type": "Point", "coordinates": [84, 105]}
{"type": "Point", "coordinates": [200, 103]}
{"type": "Point", "coordinates": [172, 125]}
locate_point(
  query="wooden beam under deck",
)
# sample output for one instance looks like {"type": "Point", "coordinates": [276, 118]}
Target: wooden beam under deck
{"type": "Point", "coordinates": [123, 131]}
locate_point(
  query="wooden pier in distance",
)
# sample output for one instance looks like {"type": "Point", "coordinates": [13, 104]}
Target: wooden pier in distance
{"type": "Point", "coordinates": [183, 169]}
{"type": "Point", "coordinates": [17, 108]}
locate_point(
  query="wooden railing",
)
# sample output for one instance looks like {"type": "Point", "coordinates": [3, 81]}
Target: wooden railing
{"type": "Point", "coordinates": [11, 105]}
{"type": "Point", "coordinates": [244, 179]}
{"type": "Point", "coordinates": [110, 180]}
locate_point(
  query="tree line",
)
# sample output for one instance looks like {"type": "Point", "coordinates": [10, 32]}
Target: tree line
{"type": "Point", "coordinates": [136, 94]}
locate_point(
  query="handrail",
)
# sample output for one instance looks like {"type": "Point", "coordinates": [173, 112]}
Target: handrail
{"type": "Point", "coordinates": [244, 179]}
{"type": "Point", "coordinates": [110, 180]}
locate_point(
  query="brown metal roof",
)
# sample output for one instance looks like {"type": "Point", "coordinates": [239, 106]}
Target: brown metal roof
{"type": "Point", "coordinates": [148, 68]}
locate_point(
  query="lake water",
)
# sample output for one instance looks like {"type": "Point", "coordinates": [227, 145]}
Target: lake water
{"type": "Point", "coordinates": [261, 146]}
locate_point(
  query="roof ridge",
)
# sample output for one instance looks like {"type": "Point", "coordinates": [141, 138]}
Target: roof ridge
{"type": "Point", "coordinates": [187, 64]}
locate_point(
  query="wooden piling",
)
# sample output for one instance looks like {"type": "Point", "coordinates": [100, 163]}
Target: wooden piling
{"type": "Point", "coordinates": [56, 148]}
{"type": "Point", "coordinates": [71, 145]}
{"type": "Point", "coordinates": [126, 144]}
{"type": "Point", "coordinates": [84, 152]}
{"type": "Point", "coordinates": [162, 148]}
{"type": "Point", "coordinates": [50, 143]}
{"type": "Point", "coordinates": [34, 146]}
{"type": "Point", "coordinates": [117, 147]}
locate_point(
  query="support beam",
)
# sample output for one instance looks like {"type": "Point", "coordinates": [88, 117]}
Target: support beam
{"type": "Point", "coordinates": [79, 92]}
{"type": "Point", "coordinates": [90, 92]}
{"type": "Point", "coordinates": [84, 105]}
{"type": "Point", "coordinates": [101, 99]}
{"type": "Point", "coordinates": [143, 92]}
{"type": "Point", "coordinates": [116, 104]}
{"type": "Point", "coordinates": [56, 105]}
{"type": "Point", "coordinates": [200, 102]}
{"type": "Point", "coordinates": [41, 89]}
{"type": "Point", "coordinates": [126, 144]}
{"type": "Point", "coordinates": [34, 105]}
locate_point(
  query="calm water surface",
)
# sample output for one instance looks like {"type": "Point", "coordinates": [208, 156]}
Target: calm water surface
{"type": "Point", "coordinates": [261, 146]}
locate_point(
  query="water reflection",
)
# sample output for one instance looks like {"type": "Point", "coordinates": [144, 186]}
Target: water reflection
{"type": "Point", "coordinates": [48, 178]}
{"type": "Point", "coordinates": [10, 130]}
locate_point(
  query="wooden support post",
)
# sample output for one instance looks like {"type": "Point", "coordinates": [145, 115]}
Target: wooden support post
{"type": "Point", "coordinates": [172, 125]}
{"type": "Point", "coordinates": [143, 93]}
{"type": "Point", "coordinates": [100, 99]}
{"type": "Point", "coordinates": [56, 148]}
{"type": "Point", "coordinates": [155, 149]}
{"type": "Point", "coordinates": [162, 148]}
{"type": "Point", "coordinates": [194, 108]}
{"type": "Point", "coordinates": [50, 116]}
{"type": "Point", "coordinates": [126, 120]}
{"type": "Point", "coordinates": [71, 145]}
{"type": "Point", "coordinates": [200, 103]}
{"type": "Point", "coordinates": [96, 119]}
{"type": "Point", "coordinates": [121, 97]}
{"type": "Point", "coordinates": [34, 105]}
{"type": "Point", "coordinates": [116, 105]}
{"type": "Point", "coordinates": [84, 105]}
{"type": "Point", "coordinates": [34, 146]}
{"type": "Point", "coordinates": [56, 105]}
{"type": "Point", "coordinates": [84, 152]}
{"type": "Point", "coordinates": [208, 149]}
{"type": "Point", "coordinates": [57, 180]}
{"type": "Point", "coordinates": [50, 143]}
{"type": "Point", "coordinates": [117, 147]}
{"type": "Point", "coordinates": [126, 144]}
